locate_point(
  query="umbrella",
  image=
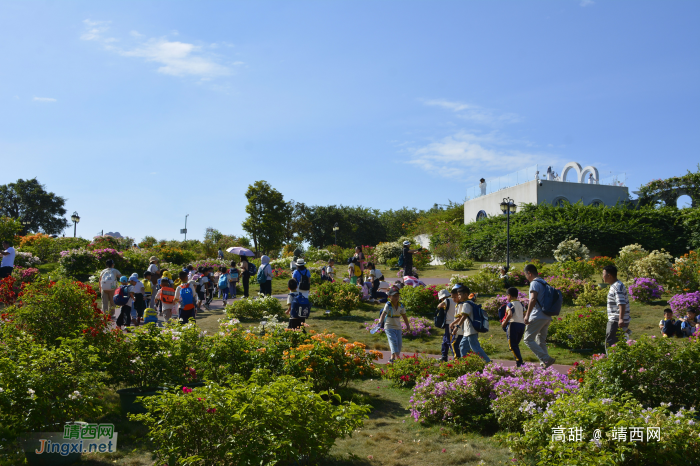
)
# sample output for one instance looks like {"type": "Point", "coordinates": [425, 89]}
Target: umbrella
{"type": "Point", "coordinates": [241, 251]}
{"type": "Point", "coordinates": [412, 281]}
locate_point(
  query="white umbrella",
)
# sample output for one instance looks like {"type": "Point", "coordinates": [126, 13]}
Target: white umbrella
{"type": "Point", "coordinates": [240, 251]}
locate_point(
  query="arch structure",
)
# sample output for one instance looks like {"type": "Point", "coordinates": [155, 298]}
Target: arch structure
{"type": "Point", "coordinates": [670, 196]}
{"type": "Point", "coordinates": [481, 215]}
{"type": "Point", "coordinates": [580, 172]}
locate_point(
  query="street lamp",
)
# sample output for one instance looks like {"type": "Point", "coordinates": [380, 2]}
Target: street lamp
{"type": "Point", "coordinates": [508, 207]}
{"type": "Point", "coordinates": [335, 232]}
{"type": "Point", "coordinates": [76, 218]}
{"type": "Point", "coordinates": [184, 230]}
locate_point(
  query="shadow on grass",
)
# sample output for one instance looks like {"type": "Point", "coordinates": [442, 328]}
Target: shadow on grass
{"type": "Point", "coordinates": [381, 407]}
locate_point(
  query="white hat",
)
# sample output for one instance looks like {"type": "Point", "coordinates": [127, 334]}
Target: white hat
{"type": "Point", "coordinates": [443, 294]}
{"type": "Point", "coordinates": [406, 243]}
{"type": "Point", "coordinates": [301, 262]}
{"type": "Point", "coordinates": [134, 277]}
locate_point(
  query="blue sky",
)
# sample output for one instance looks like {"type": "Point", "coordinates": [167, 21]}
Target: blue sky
{"type": "Point", "coordinates": [142, 112]}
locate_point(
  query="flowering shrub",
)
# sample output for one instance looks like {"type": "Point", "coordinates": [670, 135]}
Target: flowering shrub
{"type": "Point", "coordinates": [407, 370]}
{"type": "Point", "coordinates": [9, 288]}
{"type": "Point", "coordinates": [26, 259]}
{"type": "Point", "coordinates": [656, 265]}
{"type": "Point", "coordinates": [255, 308]}
{"type": "Point", "coordinates": [598, 262]}
{"type": "Point", "coordinates": [627, 256]}
{"type": "Point", "coordinates": [493, 268]}
{"type": "Point", "coordinates": [102, 242]}
{"type": "Point", "coordinates": [680, 433]}
{"type": "Point", "coordinates": [138, 260]}
{"type": "Point", "coordinates": [312, 255]}
{"type": "Point", "coordinates": [592, 295]}
{"type": "Point", "coordinates": [214, 263]}
{"type": "Point", "coordinates": [42, 387]}
{"type": "Point", "coordinates": [575, 269]}
{"type": "Point", "coordinates": [571, 250]}
{"type": "Point", "coordinates": [329, 362]}
{"type": "Point", "coordinates": [420, 300]}
{"type": "Point", "coordinates": [240, 426]}
{"type": "Point", "coordinates": [183, 257]}
{"type": "Point", "coordinates": [569, 287]}
{"type": "Point", "coordinates": [449, 251]}
{"type": "Point", "coordinates": [77, 263]}
{"type": "Point", "coordinates": [645, 290]}
{"type": "Point", "coordinates": [337, 297]}
{"type": "Point", "coordinates": [686, 273]}
{"type": "Point", "coordinates": [25, 275]}
{"type": "Point", "coordinates": [422, 259]}
{"type": "Point", "coordinates": [682, 302]}
{"type": "Point", "coordinates": [420, 327]}
{"type": "Point", "coordinates": [486, 281]}
{"type": "Point", "coordinates": [459, 263]}
{"type": "Point", "coordinates": [494, 304]}
{"type": "Point", "coordinates": [386, 251]}
{"type": "Point", "coordinates": [526, 391]}
{"type": "Point", "coordinates": [517, 278]}
{"type": "Point", "coordinates": [581, 329]}
{"type": "Point", "coordinates": [652, 370]}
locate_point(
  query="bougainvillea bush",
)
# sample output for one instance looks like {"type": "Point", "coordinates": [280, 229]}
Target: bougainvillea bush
{"type": "Point", "coordinates": [407, 370]}
{"type": "Point", "coordinates": [263, 421]}
{"type": "Point", "coordinates": [583, 328]}
{"type": "Point", "coordinates": [569, 287]}
{"type": "Point", "coordinates": [494, 304]}
{"type": "Point", "coordinates": [420, 327]}
{"type": "Point", "coordinates": [680, 303]}
{"type": "Point", "coordinates": [564, 434]}
{"type": "Point", "coordinates": [645, 290]}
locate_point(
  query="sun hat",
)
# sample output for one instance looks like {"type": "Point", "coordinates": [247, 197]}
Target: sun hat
{"type": "Point", "coordinates": [134, 276]}
{"type": "Point", "coordinates": [153, 259]}
{"type": "Point", "coordinates": [443, 294]}
{"type": "Point", "coordinates": [406, 243]}
{"type": "Point", "coordinates": [301, 262]}
{"type": "Point", "coordinates": [123, 279]}
{"type": "Point", "coordinates": [392, 291]}
{"type": "Point", "coordinates": [457, 287]}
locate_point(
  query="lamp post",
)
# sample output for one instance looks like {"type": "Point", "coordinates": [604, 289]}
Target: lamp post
{"type": "Point", "coordinates": [25, 225]}
{"type": "Point", "coordinates": [76, 218]}
{"type": "Point", "coordinates": [508, 207]}
{"type": "Point", "coordinates": [335, 232]}
{"type": "Point", "coordinates": [184, 230]}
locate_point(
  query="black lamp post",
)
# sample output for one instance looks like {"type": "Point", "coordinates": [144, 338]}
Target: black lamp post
{"type": "Point", "coordinates": [508, 207]}
{"type": "Point", "coordinates": [335, 232]}
{"type": "Point", "coordinates": [76, 218]}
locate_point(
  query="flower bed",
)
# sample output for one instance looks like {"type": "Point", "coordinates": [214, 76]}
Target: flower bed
{"type": "Point", "coordinates": [645, 290]}
{"type": "Point", "coordinates": [420, 327]}
{"type": "Point", "coordinates": [255, 308]}
{"type": "Point", "coordinates": [570, 287]}
{"type": "Point", "coordinates": [682, 302]}
{"type": "Point", "coordinates": [407, 370]}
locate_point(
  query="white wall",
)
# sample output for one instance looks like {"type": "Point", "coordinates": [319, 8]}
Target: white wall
{"type": "Point", "coordinates": [491, 203]}
{"type": "Point", "coordinates": [424, 241]}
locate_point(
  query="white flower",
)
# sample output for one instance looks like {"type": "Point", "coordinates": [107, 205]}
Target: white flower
{"type": "Point", "coordinates": [30, 391]}
{"type": "Point", "coordinates": [1, 390]}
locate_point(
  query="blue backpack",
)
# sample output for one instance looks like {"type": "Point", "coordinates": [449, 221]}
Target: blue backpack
{"type": "Point", "coordinates": [121, 296]}
{"type": "Point", "coordinates": [479, 318]}
{"type": "Point", "coordinates": [402, 261]}
{"type": "Point", "coordinates": [186, 299]}
{"type": "Point", "coordinates": [550, 300]}
{"type": "Point", "coordinates": [223, 281]}
{"type": "Point", "coordinates": [301, 307]}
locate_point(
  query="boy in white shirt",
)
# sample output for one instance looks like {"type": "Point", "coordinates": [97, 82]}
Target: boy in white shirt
{"type": "Point", "coordinates": [450, 306]}
{"type": "Point", "coordinates": [330, 271]}
{"type": "Point", "coordinates": [514, 324]}
{"type": "Point", "coordinates": [470, 340]}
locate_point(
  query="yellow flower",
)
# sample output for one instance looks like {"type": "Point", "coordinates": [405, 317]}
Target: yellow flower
{"type": "Point", "coordinates": [308, 369]}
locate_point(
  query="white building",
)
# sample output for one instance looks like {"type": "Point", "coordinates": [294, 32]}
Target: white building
{"type": "Point", "coordinates": [528, 186]}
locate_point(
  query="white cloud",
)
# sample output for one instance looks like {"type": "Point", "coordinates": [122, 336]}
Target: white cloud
{"type": "Point", "coordinates": [470, 154]}
{"type": "Point", "coordinates": [174, 57]}
{"type": "Point", "coordinates": [585, 3]}
{"type": "Point", "coordinates": [44, 99]}
{"type": "Point", "coordinates": [473, 112]}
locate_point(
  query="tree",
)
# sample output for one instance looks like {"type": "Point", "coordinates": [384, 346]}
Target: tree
{"type": "Point", "coordinates": [266, 211]}
{"type": "Point", "coordinates": [38, 210]}
{"type": "Point", "coordinates": [296, 226]}
{"type": "Point", "coordinates": [9, 227]}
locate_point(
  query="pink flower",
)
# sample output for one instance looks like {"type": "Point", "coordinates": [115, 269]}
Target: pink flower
{"type": "Point", "coordinates": [641, 369]}
{"type": "Point", "coordinates": [370, 457]}
{"type": "Point", "coordinates": [186, 390]}
{"type": "Point", "coordinates": [444, 450]}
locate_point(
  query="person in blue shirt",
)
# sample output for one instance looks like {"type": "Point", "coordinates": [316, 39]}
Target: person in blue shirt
{"type": "Point", "coordinates": [536, 321]}
{"type": "Point", "coordinates": [303, 277]}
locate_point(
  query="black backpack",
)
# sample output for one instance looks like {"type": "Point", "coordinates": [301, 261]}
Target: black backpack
{"type": "Point", "coordinates": [441, 315]}
{"type": "Point", "coordinates": [252, 269]}
{"type": "Point", "coordinates": [305, 284]}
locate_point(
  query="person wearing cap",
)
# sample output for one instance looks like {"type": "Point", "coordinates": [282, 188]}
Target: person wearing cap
{"type": "Point", "coordinates": [450, 305]}
{"type": "Point", "coordinates": [138, 304]}
{"type": "Point", "coordinates": [470, 340]}
{"type": "Point", "coordinates": [391, 316]}
{"type": "Point", "coordinates": [303, 277]}
{"type": "Point", "coordinates": [125, 311]}
{"type": "Point", "coordinates": [155, 273]}
{"type": "Point", "coordinates": [408, 259]}
{"type": "Point", "coordinates": [266, 288]}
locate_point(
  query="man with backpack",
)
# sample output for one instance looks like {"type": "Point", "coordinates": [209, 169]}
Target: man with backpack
{"type": "Point", "coordinates": [406, 259]}
{"type": "Point", "coordinates": [536, 320]}
{"type": "Point", "coordinates": [264, 276]}
{"type": "Point", "coordinates": [302, 275]}
{"type": "Point", "coordinates": [474, 319]}
{"type": "Point", "coordinates": [109, 279]}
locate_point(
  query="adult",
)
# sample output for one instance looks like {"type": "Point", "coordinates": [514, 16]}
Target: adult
{"type": "Point", "coordinates": [482, 186]}
{"type": "Point", "coordinates": [590, 178]}
{"type": "Point", "coordinates": [303, 277]}
{"type": "Point", "coordinates": [156, 273]}
{"type": "Point", "coordinates": [360, 256]}
{"type": "Point", "coordinates": [618, 306]}
{"type": "Point", "coordinates": [233, 275]}
{"type": "Point", "coordinates": [550, 173]}
{"type": "Point", "coordinates": [8, 259]}
{"type": "Point", "coordinates": [220, 254]}
{"type": "Point", "coordinates": [245, 275]}
{"type": "Point", "coordinates": [463, 315]}
{"type": "Point", "coordinates": [408, 259]}
{"type": "Point", "coordinates": [109, 279]}
{"type": "Point", "coordinates": [536, 321]}
{"type": "Point", "coordinates": [266, 288]}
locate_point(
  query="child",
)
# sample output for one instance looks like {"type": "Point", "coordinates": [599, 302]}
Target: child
{"type": "Point", "coordinates": [330, 271]}
{"type": "Point", "coordinates": [450, 306]}
{"type": "Point", "coordinates": [686, 326]}
{"type": "Point", "coordinates": [124, 318]}
{"type": "Point", "coordinates": [514, 324]}
{"type": "Point", "coordinates": [166, 298]}
{"type": "Point", "coordinates": [232, 280]}
{"type": "Point", "coordinates": [223, 284]}
{"type": "Point", "coordinates": [470, 340]}
{"type": "Point", "coordinates": [185, 297]}
{"type": "Point", "coordinates": [391, 314]}
{"type": "Point", "coordinates": [147, 288]}
{"type": "Point", "coordinates": [667, 325]}
{"type": "Point", "coordinates": [138, 303]}
{"type": "Point", "coordinates": [375, 277]}
{"type": "Point", "coordinates": [294, 320]}
{"type": "Point", "coordinates": [351, 271]}
{"type": "Point", "coordinates": [208, 285]}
